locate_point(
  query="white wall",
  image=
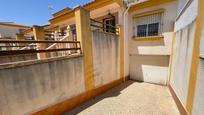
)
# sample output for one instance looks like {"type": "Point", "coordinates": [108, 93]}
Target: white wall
{"type": "Point", "coordinates": [182, 58]}
{"type": "Point", "coordinates": [31, 86]}
{"type": "Point", "coordinates": [188, 16]}
{"type": "Point", "coordinates": [105, 58]}
{"type": "Point", "coordinates": [183, 49]}
{"type": "Point", "coordinates": [199, 92]}
{"type": "Point", "coordinates": [159, 47]}
{"type": "Point", "coordinates": [149, 68]}
{"type": "Point", "coordinates": [169, 16]}
{"type": "Point", "coordinates": [198, 106]}
{"type": "Point", "coordinates": [181, 4]}
{"type": "Point", "coordinates": [202, 44]}
{"type": "Point", "coordinates": [150, 59]}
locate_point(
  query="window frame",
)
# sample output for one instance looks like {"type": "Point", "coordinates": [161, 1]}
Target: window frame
{"type": "Point", "coordinates": [108, 28]}
{"type": "Point", "coordinates": [161, 13]}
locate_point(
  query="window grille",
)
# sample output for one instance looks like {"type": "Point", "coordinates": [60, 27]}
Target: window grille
{"type": "Point", "coordinates": [151, 25]}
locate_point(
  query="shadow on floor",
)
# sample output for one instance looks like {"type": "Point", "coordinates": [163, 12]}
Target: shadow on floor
{"type": "Point", "coordinates": [114, 92]}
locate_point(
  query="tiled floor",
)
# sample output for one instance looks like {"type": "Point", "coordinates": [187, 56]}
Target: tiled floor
{"type": "Point", "coordinates": [130, 98]}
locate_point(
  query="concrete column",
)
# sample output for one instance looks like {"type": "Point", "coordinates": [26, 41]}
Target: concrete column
{"type": "Point", "coordinates": [83, 28]}
{"type": "Point", "coordinates": [39, 35]}
{"type": "Point", "coordinates": [120, 30]}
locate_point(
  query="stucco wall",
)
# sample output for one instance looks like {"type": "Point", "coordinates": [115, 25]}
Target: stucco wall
{"type": "Point", "coordinates": [198, 104]}
{"type": "Point", "coordinates": [188, 16]}
{"type": "Point", "coordinates": [149, 68]}
{"type": "Point", "coordinates": [34, 85]}
{"type": "Point", "coordinates": [155, 47]}
{"type": "Point", "coordinates": [202, 44]}
{"type": "Point", "coordinates": [30, 86]}
{"type": "Point", "coordinates": [182, 52]}
{"type": "Point", "coordinates": [149, 60]}
{"type": "Point", "coordinates": [182, 58]}
{"type": "Point", "coordinates": [105, 57]}
{"type": "Point", "coordinates": [168, 20]}
{"type": "Point", "coordinates": [181, 4]}
{"type": "Point", "coordinates": [199, 93]}
{"type": "Point", "coordinates": [10, 59]}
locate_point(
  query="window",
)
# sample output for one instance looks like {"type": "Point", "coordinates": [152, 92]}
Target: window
{"type": "Point", "coordinates": [110, 24]}
{"type": "Point", "coordinates": [150, 25]}
{"type": "Point", "coordinates": [141, 30]}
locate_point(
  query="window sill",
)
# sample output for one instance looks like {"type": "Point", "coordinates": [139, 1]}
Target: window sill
{"type": "Point", "coordinates": [149, 38]}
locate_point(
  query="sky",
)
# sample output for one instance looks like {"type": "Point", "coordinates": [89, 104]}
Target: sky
{"type": "Point", "coordinates": [33, 12]}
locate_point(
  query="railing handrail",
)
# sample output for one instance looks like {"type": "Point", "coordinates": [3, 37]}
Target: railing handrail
{"type": "Point", "coordinates": [104, 24]}
{"type": "Point", "coordinates": [111, 30]}
{"type": "Point", "coordinates": [36, 41]}
{"type": "Point", "coordinates": [54, 44]}
{"type": "Point", "coordinates": [32, 51]}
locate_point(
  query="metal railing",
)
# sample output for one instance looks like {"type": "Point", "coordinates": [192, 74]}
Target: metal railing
{"type": "Point", "coordinates": [97, 25]}
{"type": "Point", "coordinates": [14, 47]}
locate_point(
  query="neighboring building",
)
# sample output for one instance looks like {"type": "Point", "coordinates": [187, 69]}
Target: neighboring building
{"type": "Point", "coordinates": [104, 11]}
{"type": "Point", "coordinates": [148, 32]}
{"type": "Point", "coordinates": [10, 29]}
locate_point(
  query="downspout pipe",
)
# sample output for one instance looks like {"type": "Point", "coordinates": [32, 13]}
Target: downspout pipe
{"type": "Point", "coordinates": [126, 39]}
{"type": "Point", "coordinates": [127, 9]}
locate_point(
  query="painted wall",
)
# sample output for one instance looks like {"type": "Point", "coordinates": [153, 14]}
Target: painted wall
{"type": "Point", "coordinates": [30, 86]}
{"type": "Point", "coordinates": [95, 14]}
{"type": "Point", "coordinates": [154, 47]}
{"type": "Point", "coordinates": [198, 104]}
{"type": "Point", "coordinates": [181, 4]}
{"type": "Point", "coordinates": [9, 31]}
{"type": "Point", "coordinates": [169, 16]}
{"type": "Point", "coordinates": [149, 60]}
{"type": "Point", "coordinates": [26, 87]}
{"type": "Point", "coordinates": [149, 68]}
{"type": "Point", "coordinates": [185, 31]}
{"type": "Point", "coordinates": [10, 59]}
{"type": "Point", "coordinates": [182, 58]}
{"type": "Point", "coordinates": [199, 93]}
{"type": "Point", "coordinates": [105, 57]}
{"type": "Point", "coordinates": [202, 44]}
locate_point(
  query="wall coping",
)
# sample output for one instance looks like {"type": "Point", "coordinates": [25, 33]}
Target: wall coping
{"type": "Point", "coordinates": [32, 62]}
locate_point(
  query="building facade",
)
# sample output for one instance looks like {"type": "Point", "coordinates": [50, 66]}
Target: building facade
{"type": "Point", "coordinates": [10, 29]}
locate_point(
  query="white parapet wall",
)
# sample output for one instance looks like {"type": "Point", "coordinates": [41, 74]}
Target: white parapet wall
{"type": "Point", "coordinates": [105, 57]}
{"type": "Point", "coordinates": [198, 104]}
{"type": "Point", "coordinates": [181, 63]}
{"type": "Point", "coordinates": [31, 86]}
{"type": "Point", "coordinates": [185, 32]}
